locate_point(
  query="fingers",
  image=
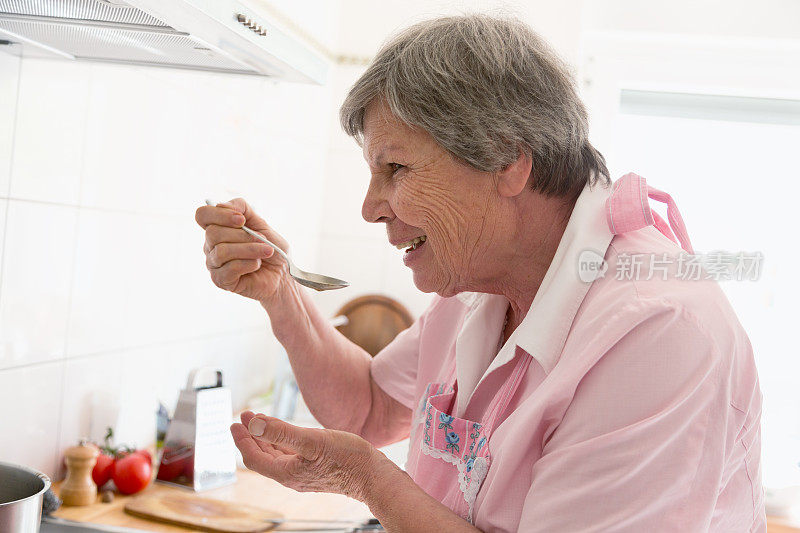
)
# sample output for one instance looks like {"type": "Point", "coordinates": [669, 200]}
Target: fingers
{"type": "Point", "coordinates": [216, 234]}
{"type": "Point", "coordinates": [223, 223]}
{"type": "Point", "coordinates": [219, 228]}
{"type": "Point", "coordinates": [265, 459]}
{"type": "Point", "coordinates": [304, 441]}
{"type": "Point", "coordinates": [253, 221]}
{"type": "Point", "coordinates": [230, 214]}
{"type": "Point", "coordinates": [265, 446]}
{"type": "Point", "coordinates": [220, 216]}
{"type": "Point", "coordinates": [253, 456]}
{"type": "Point", "coordinates": [246, 416]}
{"type": "Point", "coordinates": [302, 458]}
{"type": "Point", "coordinates": [227, 277]}
{"type": "Point", "coordinates": [239, 432]}
{"type": "Point", "coordinates": [225, 252]}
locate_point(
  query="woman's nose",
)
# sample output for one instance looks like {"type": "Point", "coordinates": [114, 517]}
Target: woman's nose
{"type": "Point", "coordinates": [376, 207]}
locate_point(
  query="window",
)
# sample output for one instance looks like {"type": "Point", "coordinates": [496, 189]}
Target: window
{"type": "Point", "coordinates": [737, 185]}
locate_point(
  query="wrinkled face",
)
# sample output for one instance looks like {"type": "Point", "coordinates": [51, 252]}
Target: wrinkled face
{"type": "Point", "coordinates": [434, 207]}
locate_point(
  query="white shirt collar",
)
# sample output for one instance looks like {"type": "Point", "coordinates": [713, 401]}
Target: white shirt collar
{"type": "Point", "coordinates": [544, 329]}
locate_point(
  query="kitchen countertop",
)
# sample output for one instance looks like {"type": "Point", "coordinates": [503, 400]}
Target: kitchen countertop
{"type": "Point", "coordinates": [250, 488]}
{"type": "Point", "coordinates": [782, 525]}
{"type": "Point", "coordinates": [254, 489]}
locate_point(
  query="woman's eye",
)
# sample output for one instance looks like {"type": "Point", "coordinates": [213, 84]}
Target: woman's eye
{"type": "Point", "coordinates": [394, 167]}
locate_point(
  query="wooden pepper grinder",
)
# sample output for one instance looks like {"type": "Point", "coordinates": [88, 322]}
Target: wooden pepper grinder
{"type": "Point", "coordinates": [78, 488]}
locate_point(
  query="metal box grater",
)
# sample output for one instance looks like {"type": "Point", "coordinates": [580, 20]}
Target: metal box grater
{"type": "Point", "coordinates": [198, 449]}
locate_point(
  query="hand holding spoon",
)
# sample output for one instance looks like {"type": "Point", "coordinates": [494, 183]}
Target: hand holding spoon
{"type": "Point", "coordinates": [315, 281]}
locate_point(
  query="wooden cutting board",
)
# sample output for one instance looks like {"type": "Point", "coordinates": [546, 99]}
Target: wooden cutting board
{"type": "Point", "coordinates": [203, 514]}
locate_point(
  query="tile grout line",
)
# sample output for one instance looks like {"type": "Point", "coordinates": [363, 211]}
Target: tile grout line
{"type": "Point", "coordinates": [68, 322]}
{"type": "Point", "coordinates": [85, 136]}
{"type": "Point", "coordinates": [63, 358]}
{"type": "Point", "coordinates": [93, 208]}
{"type": "Point", "coordinates": [57, 451]}
{"type": "Point", "coordinates": [8, 190]}
{"type": "Point", "coordinates": [122, 351]}
{"type": "Point", "coordinates": [77, 226]}
{"type": "Point", "coordinates": [10, 168]}
{"type": "Point", "coordinates": [54, 458]}
{"type": "Point", "coordinates": [14, 126]}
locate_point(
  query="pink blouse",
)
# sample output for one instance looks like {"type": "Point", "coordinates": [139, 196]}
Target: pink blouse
{"type": "Point", "coordinates": [641, 408]}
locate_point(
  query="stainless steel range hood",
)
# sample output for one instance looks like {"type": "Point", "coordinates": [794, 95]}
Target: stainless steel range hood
{"type": "Point", "coordinates": [216, 35]}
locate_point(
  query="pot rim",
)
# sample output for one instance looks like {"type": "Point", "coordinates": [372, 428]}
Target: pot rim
{"type": "Point", "coordinates": [36, 473]}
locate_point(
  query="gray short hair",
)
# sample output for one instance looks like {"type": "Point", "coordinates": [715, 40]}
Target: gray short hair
{"type": "Point", "coordinates": [484, 88]}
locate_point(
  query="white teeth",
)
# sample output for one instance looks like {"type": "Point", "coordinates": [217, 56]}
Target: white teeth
{"type": "Point", "coordinates": [413, 243]}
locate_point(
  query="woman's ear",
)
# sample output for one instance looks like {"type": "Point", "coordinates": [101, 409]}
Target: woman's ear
{"type": "Point", "coordinates": [513, 178]}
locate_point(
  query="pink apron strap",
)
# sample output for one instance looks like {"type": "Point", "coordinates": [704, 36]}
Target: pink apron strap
{"type": "Point", "coordinates": [501, 399]}
{"type": "Point", "coordinates": [663, 227]}
{"type": "Point", "coordinates": [628, 209]}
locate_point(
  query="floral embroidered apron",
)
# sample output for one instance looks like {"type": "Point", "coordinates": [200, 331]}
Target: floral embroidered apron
{"type": "Point", "coordinates": [449, 457]}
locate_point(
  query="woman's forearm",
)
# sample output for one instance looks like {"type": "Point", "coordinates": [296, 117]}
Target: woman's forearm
{"type": "Point", "coordinates": [401, 505]}
{"type": "Point", "coordinates": [331, 371]}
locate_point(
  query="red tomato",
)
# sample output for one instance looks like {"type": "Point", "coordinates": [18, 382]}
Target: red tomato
{"type": "Point", "coordinates": [103, 469]}
{"type": "Point", "coordinates": [132, 473]}
{"type": "Point", "coordinates": [146, 455]}
{"type": "Point", "coordinates": [143, 453]}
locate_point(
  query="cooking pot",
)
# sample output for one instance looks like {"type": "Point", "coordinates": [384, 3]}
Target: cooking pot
{"type": "Point", "coordinates": [21, 492]}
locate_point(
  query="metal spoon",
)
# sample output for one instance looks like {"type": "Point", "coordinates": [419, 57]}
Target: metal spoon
{"type": "Point", "coordinates": [315, 281]}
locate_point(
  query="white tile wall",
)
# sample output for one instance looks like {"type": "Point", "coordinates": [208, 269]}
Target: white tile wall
{"type": "Point", "coordinates": [50, 128]}
{"type": "Point", "coordinates": [31, 417]}
{"type": "Point", "coordinates": [128, 141]}
{"type": "Point", "coordinates": [344, 196]}
{"type": "Point", "coordinates": [91, 387]}
{"type": "Point", "coordinates": [358, 261]}
{"type": "Point", "coordinates": [103, 285]}
{"type": "Point", "coordinates": [3, 212]}
{"type": "Point", "coordinates": [37, 273]}
{"type": "Point", "coordinates": [9, 81]}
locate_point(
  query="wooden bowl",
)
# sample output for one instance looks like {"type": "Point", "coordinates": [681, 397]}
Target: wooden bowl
{"type": "Point", "coordinates": [374, 321]}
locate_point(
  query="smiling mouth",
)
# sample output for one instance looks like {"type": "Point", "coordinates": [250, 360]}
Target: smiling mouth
{"type": "Point", "coordinates": [413, 244]}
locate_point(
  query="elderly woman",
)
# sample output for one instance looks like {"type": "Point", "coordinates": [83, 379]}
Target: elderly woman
{"type": "Point", "coordinates": [540, 391]}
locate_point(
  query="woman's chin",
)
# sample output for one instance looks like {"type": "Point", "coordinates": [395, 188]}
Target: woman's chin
{"type": "Point", "coordinates": [427, 273]}
{"type": "Point", "coordinates": [423, 281]}
{"type": "Point", "coordinates": [426, 282]}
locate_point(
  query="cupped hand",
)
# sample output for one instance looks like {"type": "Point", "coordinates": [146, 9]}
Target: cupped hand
{"type": "Point", "coordinates": [237, 261]}
{"type": "Point", "coordinates": [306, 459]}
